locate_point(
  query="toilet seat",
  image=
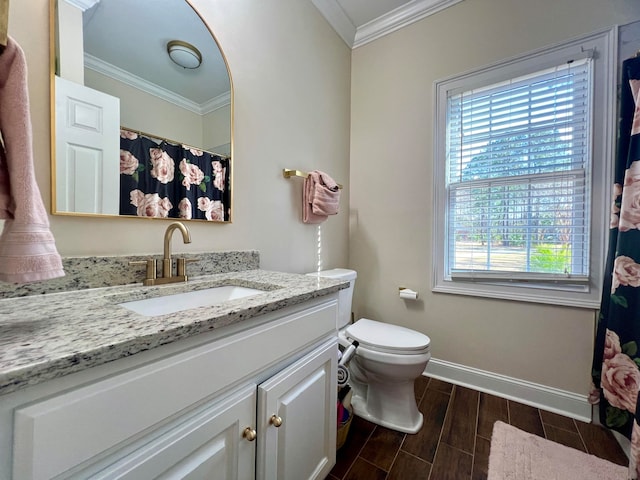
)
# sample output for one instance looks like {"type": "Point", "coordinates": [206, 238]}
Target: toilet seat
{"type": "Point", "coordinates": [387, 338]}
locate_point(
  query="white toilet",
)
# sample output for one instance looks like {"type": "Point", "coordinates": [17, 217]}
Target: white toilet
{"type": "Point", "coordinates": [387, 362]}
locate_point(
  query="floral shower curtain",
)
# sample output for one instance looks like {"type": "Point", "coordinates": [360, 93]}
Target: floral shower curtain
{"type": "Point", "coordinates": [616, 361]}
{"type": "Point", "coordinates": [162, 179]}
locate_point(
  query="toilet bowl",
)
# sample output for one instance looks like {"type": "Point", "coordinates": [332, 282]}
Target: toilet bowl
{"type": "Point", "coordinates": [386, 363]}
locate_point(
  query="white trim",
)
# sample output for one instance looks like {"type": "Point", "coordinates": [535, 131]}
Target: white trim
{"type": "Point", "coordinates": [539, 294]}
{"type": "Point", "coordinates": [398, 18]}
{"type": "Point", "coordinates": [505, 276]}
{"type": "Point", "coordinates": [340, 21]}
{"type": "Point", "coordinates": [215, 103]}
{"type": "Point", "coordinates": [100, 66]}
{"type": "Point", "coordinates": [605, 43]}
{"type": "Point", "coordinates": [536, 395]}
{"type": "Point", "coordinates": [82, 4]}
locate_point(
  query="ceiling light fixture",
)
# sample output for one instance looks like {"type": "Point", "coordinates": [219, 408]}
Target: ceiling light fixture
{"type": "Point", "coordinates": [184, 54]}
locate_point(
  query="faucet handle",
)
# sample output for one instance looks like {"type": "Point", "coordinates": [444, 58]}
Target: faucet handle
{"type": "Point", "coordinates": [181, 265]}
{"type": "Point", "coordinates": [151, 268]}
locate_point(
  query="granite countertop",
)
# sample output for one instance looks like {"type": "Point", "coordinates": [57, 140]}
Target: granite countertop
{"type": "Point", "coordinates": [48, 336]}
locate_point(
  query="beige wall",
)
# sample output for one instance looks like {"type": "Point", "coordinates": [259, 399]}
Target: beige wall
{"type": "Point", "coordinates": [150, 114]}
{"type": "Point", "coordinates": [216, 128]}
{"type": "Point", "coordinates": [71, 43]}
{"type": "Point", "coordinates": [291, 75]}
{"type": "Point", "coordinates": [391, 187]}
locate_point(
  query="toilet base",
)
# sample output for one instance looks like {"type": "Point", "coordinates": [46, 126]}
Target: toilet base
{"type": "Point", "coordinates": [411, 424]}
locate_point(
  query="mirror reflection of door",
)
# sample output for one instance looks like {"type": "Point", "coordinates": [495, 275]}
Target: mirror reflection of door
{"type": "Point", "coordinates": [109, 47]}
{"type": "Point", "coordinates": [87, 149]}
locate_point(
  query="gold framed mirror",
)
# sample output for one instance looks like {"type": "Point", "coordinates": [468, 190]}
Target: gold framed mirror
{"type": "Point", "coordinates": [141, 112]}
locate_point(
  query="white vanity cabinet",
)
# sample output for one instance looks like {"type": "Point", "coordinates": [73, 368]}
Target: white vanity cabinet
{"type": "Point", "coordinates": [242, 403]}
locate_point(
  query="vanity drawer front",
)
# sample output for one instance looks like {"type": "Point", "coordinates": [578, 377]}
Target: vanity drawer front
{"type": "Point", "coordinates": [67, 430]}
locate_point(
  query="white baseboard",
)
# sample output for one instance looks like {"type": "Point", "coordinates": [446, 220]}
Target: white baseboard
{"type": "Point", "coordinates": [540, 396]}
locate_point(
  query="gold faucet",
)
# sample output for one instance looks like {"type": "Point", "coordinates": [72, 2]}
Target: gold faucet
{"type": "Point", "coordinates": [167, 262]}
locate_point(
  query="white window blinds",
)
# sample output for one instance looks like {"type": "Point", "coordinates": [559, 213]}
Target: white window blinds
{"type": "Point", "coordinates": [518, 167]}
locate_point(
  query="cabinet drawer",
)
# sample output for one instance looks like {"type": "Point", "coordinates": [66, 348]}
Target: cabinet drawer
{"type": "Point", "coordinates": [55, 435]}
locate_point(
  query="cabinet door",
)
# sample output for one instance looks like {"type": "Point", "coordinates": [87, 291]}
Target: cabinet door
{"type": "Point", "coordinates": [206, 445]}
{"type": "Point", "coordinates": [303, 397]}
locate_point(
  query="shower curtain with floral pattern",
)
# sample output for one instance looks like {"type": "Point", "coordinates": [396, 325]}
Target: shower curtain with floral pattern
{"type": "Point", "coordinates": [616, 361]}
{"type": "Point", "coordinates": [162, 179]}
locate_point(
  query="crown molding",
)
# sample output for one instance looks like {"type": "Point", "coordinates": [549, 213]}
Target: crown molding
{"type": "Point", "coordinates": [134, 81]}
{"type": "Point", "coordinates": [215, 103]}
{"type": "Point", "coordinates": [399, 18]}
{"type": "Point", "coordinates": [82, 4]}
{"type": "Point", "coordinates": [341, 23]}
{"type": "Point", "coordinates": [383, 25]}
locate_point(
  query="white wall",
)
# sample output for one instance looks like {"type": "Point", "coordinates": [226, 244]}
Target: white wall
{"type": "Point", "coordinates": [291, 75]}
{"type": "Point", "coordinates": [391, 187]}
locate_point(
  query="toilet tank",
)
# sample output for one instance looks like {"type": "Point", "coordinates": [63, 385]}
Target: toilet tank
{"type": "Point", "coordinates": [345, 296]}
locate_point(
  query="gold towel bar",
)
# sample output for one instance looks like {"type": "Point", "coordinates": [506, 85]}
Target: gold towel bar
{"type": "Point", "coordinates": [288, 173]}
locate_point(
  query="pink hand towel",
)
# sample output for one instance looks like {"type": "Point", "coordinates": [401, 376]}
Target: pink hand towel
{"type": "Point", "coordinates": [27, 247]}
{"type": "Point", "coordinates": [321, 197]}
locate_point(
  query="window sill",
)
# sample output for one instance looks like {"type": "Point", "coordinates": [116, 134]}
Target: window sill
{"type": "Point", "coordinates": [547, 296]}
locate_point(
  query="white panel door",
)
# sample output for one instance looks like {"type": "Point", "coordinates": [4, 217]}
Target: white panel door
{"type": "Point", "coordinates": [87, 175]}
{"type": "Point", "coordinates": [303, 397]}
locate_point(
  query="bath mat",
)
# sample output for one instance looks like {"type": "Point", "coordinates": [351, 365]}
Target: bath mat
{"type": "Point", "coordinates": [518, 455]}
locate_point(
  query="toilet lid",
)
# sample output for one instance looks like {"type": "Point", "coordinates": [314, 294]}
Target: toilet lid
{"type": "Point", "coordinates": [384, 336]}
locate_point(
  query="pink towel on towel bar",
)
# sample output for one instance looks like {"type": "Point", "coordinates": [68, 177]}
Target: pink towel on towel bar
{"type": "Point", "coordinates": [321, 197]}
{"type": "Point", "coordinates": [27, 248]}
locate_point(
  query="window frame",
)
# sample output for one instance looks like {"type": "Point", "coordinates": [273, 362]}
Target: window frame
{"type": "Point", "coordinates": [586, 295]}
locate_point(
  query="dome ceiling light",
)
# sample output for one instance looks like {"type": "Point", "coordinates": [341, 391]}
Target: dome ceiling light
{"type": "Point", "coordinates": [184, 54]}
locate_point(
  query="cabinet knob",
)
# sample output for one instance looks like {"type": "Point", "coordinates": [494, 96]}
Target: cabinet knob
{"type": "Point", "coordinates": [275, 420]}
{"type": "Point", "coordinates": [250, 434]}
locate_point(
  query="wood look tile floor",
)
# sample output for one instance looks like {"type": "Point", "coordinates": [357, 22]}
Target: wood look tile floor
{"type": "Point", "coordinates": [455, 438]}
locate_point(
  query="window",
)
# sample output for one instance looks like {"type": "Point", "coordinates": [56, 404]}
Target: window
{"type": "Point", "coordinates": [522, 160]}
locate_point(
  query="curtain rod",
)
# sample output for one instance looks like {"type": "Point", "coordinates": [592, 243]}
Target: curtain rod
{"type": "Point", "coordinates": [174, 142]}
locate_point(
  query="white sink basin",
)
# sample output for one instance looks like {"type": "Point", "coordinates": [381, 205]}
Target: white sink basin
{"type": "Point", "coordinates": [184, 301]}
